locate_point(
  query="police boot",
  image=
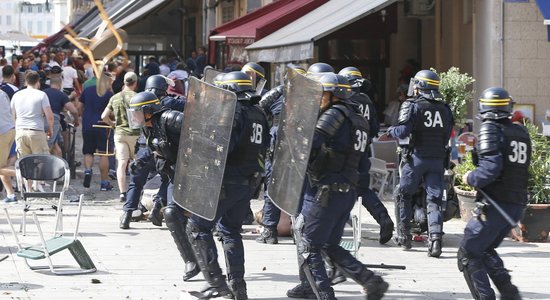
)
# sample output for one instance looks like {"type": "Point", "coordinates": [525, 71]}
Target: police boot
{"type": "Point", "coordinates": [508, 291]}
{"type": "Point", "coordinates": [375, 287]}
{"type": "Point", "coordinates": [386, 229]}
{"type": "Point", "coordinates": [268, 236]}
{"type": "Point", "coordinates": [336, 276]}
{"type": "Point", "coordinates": [302, 290]}
{"type": "Point", "coordinates": [176, 222]}
{"type": "Point", "coordinates": [216, 287]}
{"type": "Point", "coordinates": [125, 220]}
{"type": "Point", "coordinates": [327, 295]}
{"type": "Point", "coordinates": [156, 216]}
{"type": "Point", "coordinates": [238, 287]}
{"type": "Point", "coordinates": [403, 239]}
{"type": "Point", "coordinates": [435, 245]}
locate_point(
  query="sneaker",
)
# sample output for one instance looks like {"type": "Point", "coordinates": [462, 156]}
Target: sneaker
{"type": "Point", "coordinates": [122, 197]}
{"type": "Point", "coordinates": [106, 186]}
{"type": "Point", "coordinates": [112, 174]}
{"type": "Point", "coordinates": [87, 178]}
{"type": "Point", "coordinates": [10, 199]}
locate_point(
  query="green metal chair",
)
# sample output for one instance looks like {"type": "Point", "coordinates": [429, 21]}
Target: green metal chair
{"type": "Point", "coordinates": [47, 248]}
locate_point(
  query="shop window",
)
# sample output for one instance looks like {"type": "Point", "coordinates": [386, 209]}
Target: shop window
{"type": "Point", "coordinates": [228, 12]}
{"type": "Point", "coordinates": [252, 5]}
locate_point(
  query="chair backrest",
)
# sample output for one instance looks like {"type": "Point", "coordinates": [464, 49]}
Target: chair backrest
{"type": "Point", "coordinates": [385, 150]}
{"type": "Point", "coordinates": [377, 164]}
{"type": "Point", "coordinates": [41, 167]}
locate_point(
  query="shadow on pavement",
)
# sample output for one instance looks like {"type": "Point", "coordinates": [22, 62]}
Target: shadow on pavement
{"type": "Point", "coordinates": [16, 286]}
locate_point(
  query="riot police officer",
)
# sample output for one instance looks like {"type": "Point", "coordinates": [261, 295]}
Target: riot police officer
{"type": "Point", "coordinates": [242, 175]}
{"type": "Point", "coordinates": [428, 121]}
{"type": "Point", "coordinates": [272, 103]}
{"type": "Point", "coordinates": [503, 158]}
{"type": "Point", "coordinates": [257, 75]}
{"type": "Point", "coordinates": [316, 70]}
{"type": "Point", "coordinates": [370, 200]}
{"type": "Point", "coordinates": [337, 168]}
{"type": "Point", "coordinates": [162, 127]}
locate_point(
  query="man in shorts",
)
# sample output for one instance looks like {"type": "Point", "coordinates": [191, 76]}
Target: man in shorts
{"type": "Point", "coordinates": [125, 136]}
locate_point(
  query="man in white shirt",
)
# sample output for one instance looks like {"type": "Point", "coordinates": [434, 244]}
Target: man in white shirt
{"type": "Point", "coordinates": [29, 106]}
{"type": "Point", "coordinates": [70, 78]}
{"type": "Point", "coordinates": [7, 136]}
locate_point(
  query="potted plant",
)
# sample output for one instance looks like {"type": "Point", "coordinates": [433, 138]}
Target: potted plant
{"type": "Point", "coordinates": [454, 86]}
{"type": "Point", "coordinates": [535, 224]}
{"type": "Point", "coordinates": [466, 194]}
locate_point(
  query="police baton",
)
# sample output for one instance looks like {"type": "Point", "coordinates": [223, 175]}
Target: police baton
{"type": "Point", "coordinates": [384, 266]}
{"type": "Point", "coordinates": [499, 209]}
{"type": "Point", "coordinates": [176, 52]}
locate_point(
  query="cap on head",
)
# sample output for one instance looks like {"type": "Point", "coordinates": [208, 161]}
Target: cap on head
{"type": "Point", "coordinates": [130, 77]}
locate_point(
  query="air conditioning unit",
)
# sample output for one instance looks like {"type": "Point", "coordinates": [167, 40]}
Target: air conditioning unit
{"type": "Point", "coordinates": [419, 8]}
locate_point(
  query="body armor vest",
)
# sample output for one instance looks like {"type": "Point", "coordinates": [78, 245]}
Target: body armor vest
{"type": "Point", "coordinates": [364, 103]}
{"type": "Point", "coordinates": [342, 152]}
{"type": "Point", "coordinates": [431, 128]}
{"type": "Point", "coordinates": [159, 140]}
{"type": "Point", "coordinates": [515, 147]}
{"type": "Point", "coordinates": [248, 155]}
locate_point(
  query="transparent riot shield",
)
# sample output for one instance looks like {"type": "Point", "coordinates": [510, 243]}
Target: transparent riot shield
{"type": "Point", "coordinates": [204, 142]}
{"type": "Point", "coordinates": [294, 138]}
{"type": "Point", "coordinates": [210, 74]}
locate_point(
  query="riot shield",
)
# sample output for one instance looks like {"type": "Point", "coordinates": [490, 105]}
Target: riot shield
{"type": "Point", "coordinates": [204, 142]}
{"type": "Point", "coordinates": [294, 138]}
{"type": "Point", "coordinates": [210, 74]}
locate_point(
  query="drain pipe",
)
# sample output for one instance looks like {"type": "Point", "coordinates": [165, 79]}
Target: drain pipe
{"type": "Point", "coordinates": [502, 43]}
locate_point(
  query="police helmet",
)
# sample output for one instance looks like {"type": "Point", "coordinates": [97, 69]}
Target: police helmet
{"type": "Point", "coordinates": [495, 103]}
{"type": "Point", "coordinates": [353, 75]}
{"type": "Point", "coordinates": [217, 80]}
{"type": "Point", "coordinates": [237, 82]}
{"type": "Point", "coordinates": [300, 70]}
{"type": "Point", "coordinates": [252, 67]}
{"type": "Point", "coordinates": [337, 84]}
{"type": "Point", "coordinates": [157, 84]}
{"type": "Point", "coordinates": [424, 80]}
{"type": "Point", "coordinates": [141, 106]}
{"type": "Point", "coordinates": [317, 70]}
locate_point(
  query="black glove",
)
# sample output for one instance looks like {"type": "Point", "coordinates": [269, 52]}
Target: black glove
{"type": "Point", "coordinates": [135, 165]}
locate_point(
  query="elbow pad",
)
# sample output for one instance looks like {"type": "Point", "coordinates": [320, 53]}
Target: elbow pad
{"type": "Point", "coordinates": [405, 112]}
{"type": "Point", "coordinates": [331, 120]}
{"type": "Point", "coordinates": [270, 97]}
{"type": "Point", "coordinates": [173, 121]}
{"type": "Point", "coordinates": [489, 138]}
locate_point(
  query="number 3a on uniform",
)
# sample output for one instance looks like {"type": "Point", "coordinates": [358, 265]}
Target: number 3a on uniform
{"type": "Point", "coordinates": [435, 122]}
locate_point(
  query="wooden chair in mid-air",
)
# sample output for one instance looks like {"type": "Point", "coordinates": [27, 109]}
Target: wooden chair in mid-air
{"type": "Point", "coordinates": [106, 44]}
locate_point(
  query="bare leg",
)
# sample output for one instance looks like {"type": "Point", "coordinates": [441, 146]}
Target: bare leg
{"type": "Point", "coordinates": [104, 167]}
{"type": "Point", "coordinates": [121, 175]}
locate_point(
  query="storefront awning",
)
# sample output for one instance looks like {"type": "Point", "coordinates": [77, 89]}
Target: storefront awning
{"type": "Point", "coordinates": [544, 7]}
{"type": "Point", "coordinates": [294, 42]}
{"type": "Point", "coordinates": [245, 30]}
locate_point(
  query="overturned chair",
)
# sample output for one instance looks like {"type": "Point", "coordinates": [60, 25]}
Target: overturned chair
{"type": "Point", "coordinates": [45, 249]}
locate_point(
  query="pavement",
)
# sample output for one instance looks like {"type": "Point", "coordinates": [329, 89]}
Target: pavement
{"type": "Point", "coordinates": [143, 262]}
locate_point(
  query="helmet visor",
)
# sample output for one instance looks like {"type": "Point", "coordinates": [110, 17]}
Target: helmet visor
{"type": "Point", "coordinates": [136, 118]}
{"type": "Point", "coordinates": [260, 86]}
{"type": "Point", "coordinates": [412, 84]}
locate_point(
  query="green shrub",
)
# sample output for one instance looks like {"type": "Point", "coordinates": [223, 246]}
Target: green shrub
{"type": "Point", "coordinates": [539, 169]}
{"type": "Point", "coordinates": [454, 86]}
{"type": "Point", "coordinates": [466, 165]}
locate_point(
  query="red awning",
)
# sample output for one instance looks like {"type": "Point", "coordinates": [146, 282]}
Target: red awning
{"type": "Point", "coordinates": [251, 27]}
{"type": "Point", "coordinates": [49, 40]}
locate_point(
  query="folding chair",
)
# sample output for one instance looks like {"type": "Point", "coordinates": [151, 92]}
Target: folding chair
{"type": "Point", "coordinates": [42, 167]}
{"type": "Point", "coordinates": [352, 245]}
{"type": "Point", "coordinates": [387, 151]}
{"type": "Point", "coordinates": [46, 248]}
{"type": "Point", "coordinates": [379, 175]}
